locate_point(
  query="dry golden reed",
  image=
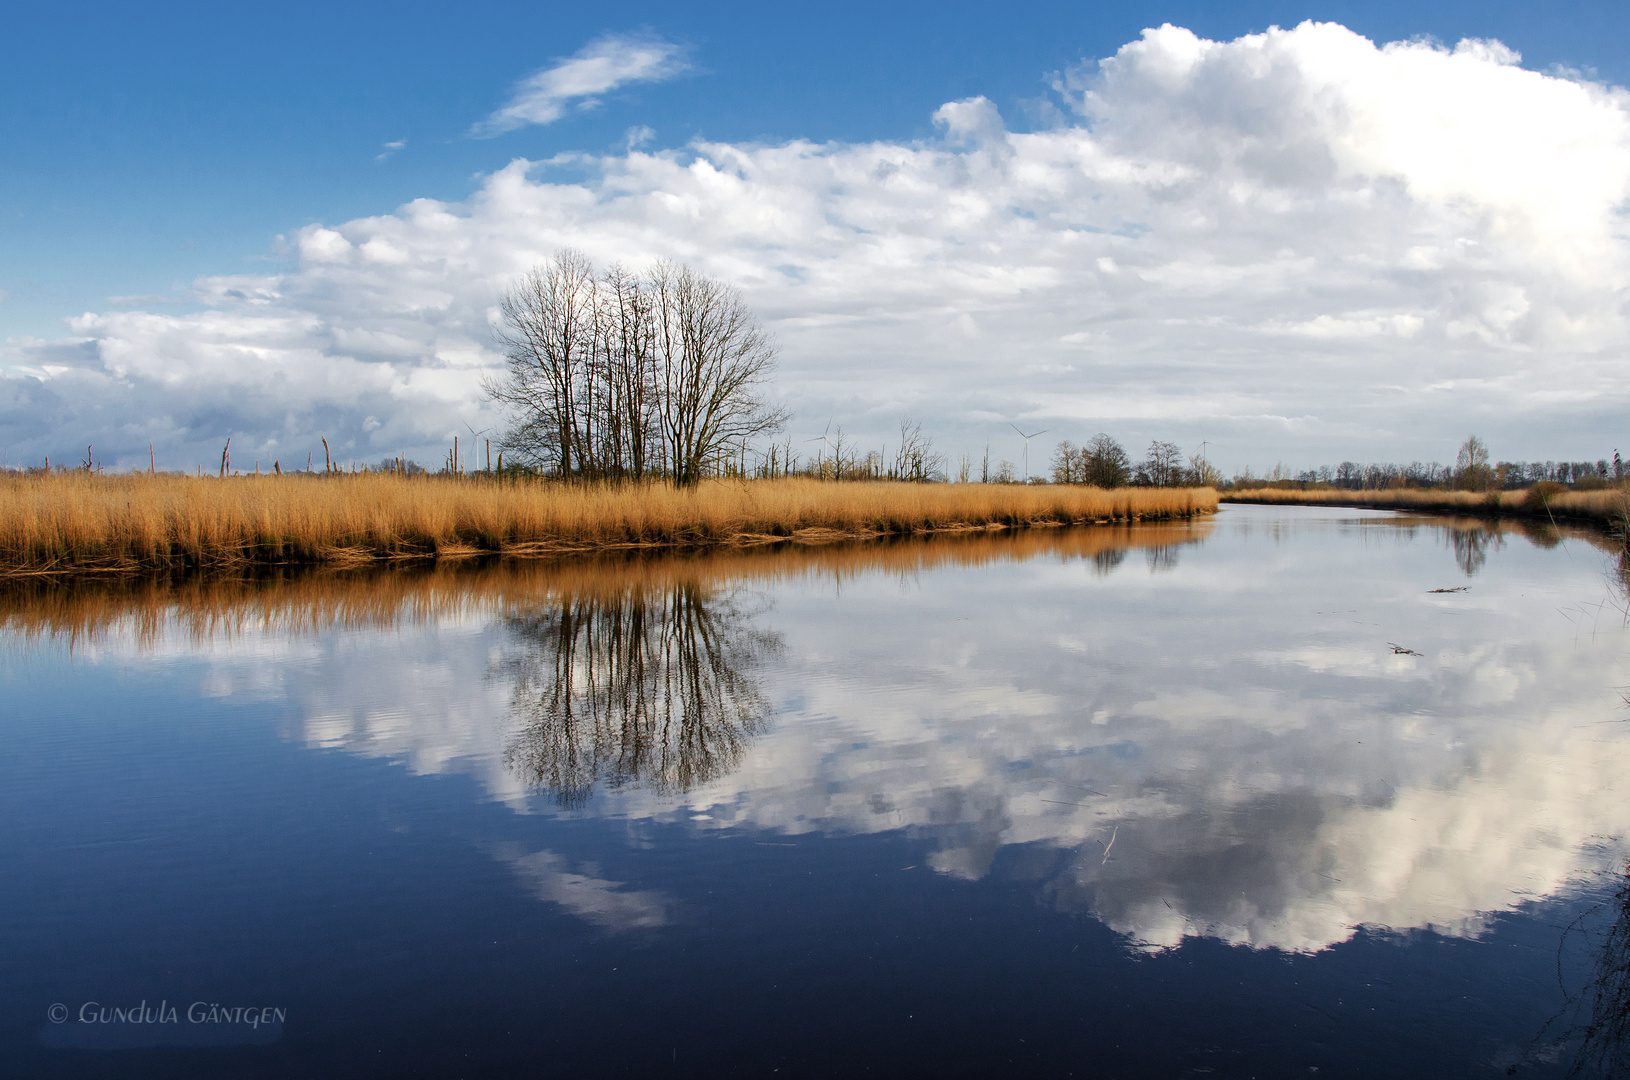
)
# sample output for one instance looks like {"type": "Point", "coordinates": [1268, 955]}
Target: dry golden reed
{"type": "Point", "coordinates": [308, 601]}
{"type": "Point", "coordinates": [77, 522]}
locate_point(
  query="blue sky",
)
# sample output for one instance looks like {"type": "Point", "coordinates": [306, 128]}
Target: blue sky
{"type": "Point", "coordinates": [144, 149]}
{"type": "Point", "coordinates": [145, 146]}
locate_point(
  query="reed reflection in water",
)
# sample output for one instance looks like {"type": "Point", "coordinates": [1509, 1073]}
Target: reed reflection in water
{"type": "Point", "coordinates": [150, 612]}
{"type": "Point", "coordinates": [649, 683]}
{"type": "Point", "coordinates": [1605, 1048]}
{"type": "Point", "coordinates": [634, 671]}
{"type": "Point", "coordinates": [1592, 1029]}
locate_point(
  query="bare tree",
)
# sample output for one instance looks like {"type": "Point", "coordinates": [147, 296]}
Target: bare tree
{"type": "Point", "coordinates": [1069, 464]}
{"type": "Point", "coordinates": [916, 460]}
{"type": "Point", "coordinates": [1201, 473]}
{"type": "Point", "coordinates": [713, 357]}
{"type": "Point", "coordinates": [624, 377]}
{"type": "Point", "coordinates": [547, 333]}
{"type": "Point", "coordinates": [1162, 466]}
{"type": "Point", "coordinates": [1472, 470]}
{"type": "Point", "coordinates": [627, 354]}
{"type": "Point", "coordinates": [1104, 463]}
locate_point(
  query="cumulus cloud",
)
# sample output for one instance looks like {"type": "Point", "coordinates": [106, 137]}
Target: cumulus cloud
{"type": "Point", "coordinates": [1297, 245]}
{"type": "Point", "coordinates": [599, 67]}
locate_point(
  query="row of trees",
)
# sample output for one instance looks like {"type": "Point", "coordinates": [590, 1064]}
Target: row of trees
{"type": "Point", "coordinates": [625, 376]}
{"type": "Point", "coordinates": [1104, 463]}
{"type": "Point", "coordinates": [1472, 471]}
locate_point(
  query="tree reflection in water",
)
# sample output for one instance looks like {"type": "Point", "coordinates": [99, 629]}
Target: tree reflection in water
{"type": "Point", "coordinates": [1104, 562]}
{"type": "Point", "coordinates": [1471, 545]}
{"type": "Point", "coordinates": [650, 683]}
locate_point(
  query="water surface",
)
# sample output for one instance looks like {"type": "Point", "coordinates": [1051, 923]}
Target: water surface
{"type": "Point", "coordinates": [1252, 796]}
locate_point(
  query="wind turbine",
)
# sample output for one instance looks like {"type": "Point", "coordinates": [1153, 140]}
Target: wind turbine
{"type": "Point", "coordinates": [822, 436]}
{"type": "Point", "coordinates": [836, 464]}
{"type": "Point", "coordinates": [474, 435]}
{"type": "Point", "coordinates": [1027, 439]}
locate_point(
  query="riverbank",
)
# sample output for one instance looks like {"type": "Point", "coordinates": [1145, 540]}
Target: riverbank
{"type": "Point", "coordinates": [388, 595]}
{"type": "Point", "coordinates": [68, 523]}
{"type": "Point", "coordinates": [1608, 508]}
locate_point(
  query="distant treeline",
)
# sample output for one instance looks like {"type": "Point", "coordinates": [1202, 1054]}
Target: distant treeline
{"type": "Point", "coordinates": [1508, 475]}
{"type": "Point", "coordinates": [1472, 471]}
{"type": "Point", "coordinates": [1103, 462]}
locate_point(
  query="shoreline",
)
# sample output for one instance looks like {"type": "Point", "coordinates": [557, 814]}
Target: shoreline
{"type": "Point", "coordinates": [1607, 509]}
{"type": "Point", "coordinates": [74, 524]}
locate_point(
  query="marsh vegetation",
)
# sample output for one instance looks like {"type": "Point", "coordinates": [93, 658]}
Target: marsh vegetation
{"type": "Point", "coordinates": [1608, 507]}
{"type": "Point", "coordinates": [386, 596]}
{"type": "Point", "coordinates": [58, 523]}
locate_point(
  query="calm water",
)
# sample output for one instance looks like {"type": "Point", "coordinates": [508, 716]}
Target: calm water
{"type": "Point", "coordinates": [1243, 798]}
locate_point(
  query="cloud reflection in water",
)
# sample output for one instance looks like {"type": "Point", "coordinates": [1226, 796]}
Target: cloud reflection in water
{"type": "Point", "coordinates": [1227, 709]}
{"type": "Point", "coordinates": [594, 899]}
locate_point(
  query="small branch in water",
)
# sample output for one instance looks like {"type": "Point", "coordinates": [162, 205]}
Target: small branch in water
{"type": "Point", "coordinates": [1457, 588]}
{"type": "Point", "coordinates": [1111, 844]}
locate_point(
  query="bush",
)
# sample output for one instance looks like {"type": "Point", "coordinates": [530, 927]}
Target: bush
{"type": "Point", "coordinates": [1540, 495]}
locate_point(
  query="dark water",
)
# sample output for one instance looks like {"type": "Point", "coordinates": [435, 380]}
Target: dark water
{"type": "Point", "coordinates": [1244, 798]}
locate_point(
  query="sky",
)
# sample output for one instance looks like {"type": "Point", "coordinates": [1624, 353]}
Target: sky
{"type": "Point", "coordinates": [1298, 233]}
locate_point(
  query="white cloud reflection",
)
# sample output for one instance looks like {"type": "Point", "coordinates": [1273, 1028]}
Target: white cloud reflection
{"type": "Point", "coordinates": [594, 899]}
{"type": "Point", "coordinates": [1271, 773]}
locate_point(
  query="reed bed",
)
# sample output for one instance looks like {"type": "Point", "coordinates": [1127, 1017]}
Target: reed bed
{"type": "Point", "coordinates": [68, 523]}
{"type": "Point", "coordinates": [1609, 507]}
{"type": "Point", "coordinates": [385, 595]}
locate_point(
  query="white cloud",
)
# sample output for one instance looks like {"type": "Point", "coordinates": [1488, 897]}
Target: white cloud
{"type": "Point", "coordinates": [1293, 224]}
{"type": "Point", "coordinates": [599, 67]}
{"type": "Point", "coordinates": [390, 149]}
